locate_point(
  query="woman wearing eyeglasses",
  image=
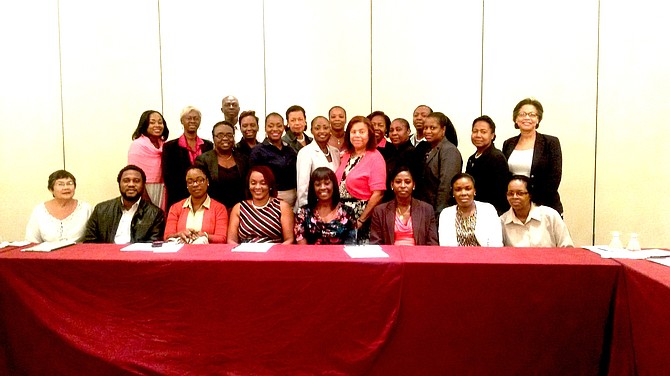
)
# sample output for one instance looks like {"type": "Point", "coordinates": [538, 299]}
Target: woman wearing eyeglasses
{"type": "Point", "coordinates": [526, 224]}
{"type": "Point", "coordinates": [61, 218]}
{"type": "Point", "coordinates": [197, 219]}
{"type": "Point", "coordinates": [535, 155]}
{"type": "Point", "coordinates": [227, 167]}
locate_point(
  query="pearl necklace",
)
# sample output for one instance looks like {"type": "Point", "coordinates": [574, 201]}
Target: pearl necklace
{"type": "Point", "coordinates": [262, 206]}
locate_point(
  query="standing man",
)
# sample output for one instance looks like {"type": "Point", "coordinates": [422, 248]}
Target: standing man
{"type": "Point", "coordinates": [230, 107]}
{"type": "Point", "coordinates": [126, 219]}
{"type": "Point", "coordinates": [420, 114]}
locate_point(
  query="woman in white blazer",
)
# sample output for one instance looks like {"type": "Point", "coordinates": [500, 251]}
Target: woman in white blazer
{"type": "Point", "coordinates": [469, 222]}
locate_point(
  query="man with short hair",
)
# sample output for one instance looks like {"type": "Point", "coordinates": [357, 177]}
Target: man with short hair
{"type": "Point", "coordinates": [420, 114]}
{"type": "Point", "coordinates": [126, 219]}
{"type": "Point", "coordinates": [230, 107]}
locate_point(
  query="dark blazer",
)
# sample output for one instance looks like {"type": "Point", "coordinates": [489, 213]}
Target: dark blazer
{"type": "Point", "coordinates": [293, 142]}
{"type": "Point", "coordinates": [228, 192]}
{"type": "Point", "coordinates": [403, 155]}
{"type": "Point", "coordinates": [423, 222]}
{"type": "Point", "coordinates": [147, 224]}
{"type": "Point", "coordinates": [491, 175]}
{"type": "Point", "coordinates": [545, 171]}
{"type": "Point", "coordinates": [442, 163]}
{"type": "Point", "coordinates": [175, 162]}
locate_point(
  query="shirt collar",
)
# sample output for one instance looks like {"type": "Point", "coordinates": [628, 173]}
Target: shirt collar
{"type": "Point", "coordinates": [206, 204]}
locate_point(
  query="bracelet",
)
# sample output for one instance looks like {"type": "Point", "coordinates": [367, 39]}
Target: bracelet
{"type": "Point", "coordinates": [361, 220]}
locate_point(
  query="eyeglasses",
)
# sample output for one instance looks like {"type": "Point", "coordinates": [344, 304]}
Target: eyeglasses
{"type": "Point", "coordinates": [514, 193]}
{"type": "Point", "coordinates": [531, 115]}
{"type": "Point", "coordinates": [61, 184]}
{"type": "Point", "coordinates": [221, 136]}
{"type": "Point", "coordinates": [197, 181]}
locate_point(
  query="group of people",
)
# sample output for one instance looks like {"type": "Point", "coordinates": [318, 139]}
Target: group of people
{"type": "Point", "coordinates": [368, 180]}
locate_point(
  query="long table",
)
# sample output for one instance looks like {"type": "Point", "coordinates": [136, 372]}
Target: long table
{"type": "Point", "coordinates": [91, 309]}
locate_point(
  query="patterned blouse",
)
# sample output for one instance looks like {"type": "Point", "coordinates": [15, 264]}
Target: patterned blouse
{"type": "Point", "coordinates": [310, 226]}
{"type": "Point", "coordinates": [260, 225]}
{"type": "Point", "coordinates": [465, 229]}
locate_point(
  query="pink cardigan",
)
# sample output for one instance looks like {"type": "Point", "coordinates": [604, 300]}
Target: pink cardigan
{"type": "Point", "coordinates": [367, 176]}
{"type": "Point", "coordinates": [144, 154]}
{"type": "Point", "coordinates": [214, 220]}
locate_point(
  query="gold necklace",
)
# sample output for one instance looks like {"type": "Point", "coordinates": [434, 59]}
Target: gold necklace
{"type": "Point", "coordinates": [401, 214]}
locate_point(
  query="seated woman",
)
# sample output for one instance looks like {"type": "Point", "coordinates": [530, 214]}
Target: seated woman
{"type": "Point", "coordinates": [324, 220]}
{"type": "Point", "coordinates": [61, 218]}
{"type": "Point", "coordinates": [262, 218]}
{"type": "Point", "coordinates": [469, 222]}
{"type": "Point", "coordinates": [197, 219]}
{"type": "Point", "coordinates": [404, 220]}
{"type": "Point", "coordinates": [528, 225]}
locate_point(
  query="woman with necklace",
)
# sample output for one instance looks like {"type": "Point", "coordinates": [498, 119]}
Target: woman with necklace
{"type": "Point", "coordinates": [338, 120]}
{"type": "Point", "coordinates": [403, 220]}
{"type": "Point", "coordinates": [314, 155]}
{"type": "Point", "coordinates": [262, 218]}
{"type": "Point", "coordinates": [469, 222]}
{"type": "Point", "coordinates": [324, 220]}
{"type": "Point", "coordinates": [61, 218]}
{"type": "Point", "coordinates": [146, 152]}
{"type": "Point", "coordinates": [226, 166]}
{"type": "Point", "coordinates": [198, 219]}
{"type": "Point", "coordinates": [488, 165]}
{"type": "Point", "coordinates": [362, 174]}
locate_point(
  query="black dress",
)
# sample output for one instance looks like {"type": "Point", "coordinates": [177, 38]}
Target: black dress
{"type": "Point", "coordinates": [491, 175]}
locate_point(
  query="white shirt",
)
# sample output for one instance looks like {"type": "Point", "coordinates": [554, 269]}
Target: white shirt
{"type": "Point", "coordinates": [43, 227]}
{"type": "Point", "coordinates": [310, 158]}
{"type": "Point", "coordinates": [488, 230]}
{"type": "Point", "coordinates": [122, 235]}
{"type": "Point", "coordinates": [414, 141]}
{"type": "Point", "coordinates": [194, 219]}
{"type": "Point", "coordinates": [544, 227]}
{"type": "Point", "coordinates": [520, 161]}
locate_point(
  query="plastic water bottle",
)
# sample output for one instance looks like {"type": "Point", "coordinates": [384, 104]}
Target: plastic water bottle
{"type": "Point", "coordinates": [616, 241]}
{"type": "Point", "coordinates": [633, 243]}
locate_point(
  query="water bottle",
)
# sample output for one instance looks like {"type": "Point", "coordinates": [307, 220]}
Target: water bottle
{"type": "Point", "coordinates": [633, 243]}
{"type": "Point", "coordinates": [616, 241]}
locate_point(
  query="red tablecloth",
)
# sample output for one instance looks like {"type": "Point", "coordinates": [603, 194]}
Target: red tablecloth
{"type": "Point", "coordinates": [90, 309]}
{"type": "Point", "coordinates": [648, 296]}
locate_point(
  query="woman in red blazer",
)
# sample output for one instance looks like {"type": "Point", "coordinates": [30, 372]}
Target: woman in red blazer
{"type": "Point", "coordinates": [403, 220]}
{"type": "Point", "coordinates": [198, 219]}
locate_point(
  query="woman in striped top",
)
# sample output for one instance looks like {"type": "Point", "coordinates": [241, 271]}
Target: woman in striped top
{"type": "Point", "coordinates": [262, 218]}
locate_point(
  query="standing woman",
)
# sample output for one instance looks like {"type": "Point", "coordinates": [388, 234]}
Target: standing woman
{"type": "Point", "coordinates": [469, 223]}
{"type": "Point", "coordinates": [314, 155]}
{"type": "Point", "coordinates": [404, 220]}
{"type": "Point", "coordinates": [400, 151]}
{"type": "Point", "coordinates": [180, 154]}
{"type": "Point", "coordinates": [488, 165]}
{"type": "Point", "coordinates": [227, 167]}
{"type": "Point", "coordinates": [338, 120]}
{"type": "Point", "coordinates": [197, 219]}
{"type": "Point", "coordinates": [324, 220]}
{"type": "Point", "coordinates": [362, 174]}
{"type": "Point", "coordinates": [146, 152]}
{"type": "Point", "coordinates": [61, 218]}
{"type": "Point", "coordinates": [535, 155]}
{"type": "Point", "coordinates": [442, 162]}
{"type": "Point", "coordinates": [262, 217]}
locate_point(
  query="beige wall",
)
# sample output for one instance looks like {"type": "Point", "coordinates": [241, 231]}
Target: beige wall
{"type": "Point", "coordinates": [71, 94]}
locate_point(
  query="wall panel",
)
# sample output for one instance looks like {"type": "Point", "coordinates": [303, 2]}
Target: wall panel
{"type": "Point", "coordinates": [318, 56]}
{"type": "Point", "coordinates": [632, 162]}
{"type": "Point", "coordinates": [427, 52]}
{"type": "Point", "coordinates": [30, 108]}
{"type": "Point", "coordinates": [111, 74]}
{"type": "Point", "coordinates": [211, 49]}
{"type": "Point", "coordinates": [548, 50]}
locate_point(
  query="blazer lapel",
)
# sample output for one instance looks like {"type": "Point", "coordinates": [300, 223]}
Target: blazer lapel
{"type": "Point", "coordinates": [537, 151]}
{"type": "Point", "coordinates": [390, 221]}
{"type": "Point", "coordinates": [417, 222]}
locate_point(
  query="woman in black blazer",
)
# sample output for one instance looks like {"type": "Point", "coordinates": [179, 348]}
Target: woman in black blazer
{"type": "Point", "coordinates": [535, 155]}
{"type": "Point", "coordinates": [404, 220]}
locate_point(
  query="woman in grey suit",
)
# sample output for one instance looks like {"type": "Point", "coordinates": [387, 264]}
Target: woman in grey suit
{"type": "Point", "coordinates": [403, 220]}
{"type": "Point", "coordinates": [442, 162]}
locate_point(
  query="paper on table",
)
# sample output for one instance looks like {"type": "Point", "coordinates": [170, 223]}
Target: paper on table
{"type": "Point", "coordinates": [49, 246]}
{"type": "Point", "coordinates": [663, 261]}
{"type": "Point", "coordinates": [19, 243]}
{"type": "Point", "coordinates": [365, 251]}
{"type": "Point", "coordinates": [166, 247]}
{"type": "Point", "coordinates": [253, 247]}
{"type": "Point", "coordinates": [607, 252]}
